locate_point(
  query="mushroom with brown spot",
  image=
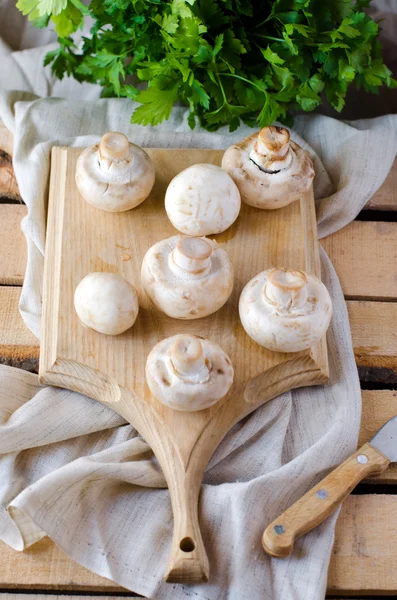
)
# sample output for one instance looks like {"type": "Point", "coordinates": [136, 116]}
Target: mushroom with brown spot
{"type": "Point", "coordinates": [285, 310]}
{"type": "Point", "coordinates": [202, 200]}
{"type": "Point", "coordinates": [188, 373]}
{"type": "Point", "coordinates": [187, 277]}
{"type": "Point", "coordinates": [269, 169]}
{"type": "Point", "coordinates": [114, 175]}
{"type": "Point", "coordinates": [106, 302]}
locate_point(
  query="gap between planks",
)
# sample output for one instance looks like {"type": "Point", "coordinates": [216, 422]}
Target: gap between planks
{"type": "Point", "coordinates": [364, 254]}
{"type": "Point", "coordinates": [361, 562]}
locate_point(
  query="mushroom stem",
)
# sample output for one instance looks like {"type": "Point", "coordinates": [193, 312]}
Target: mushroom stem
{"type": "Point", "coordinates": [286, 289]}
{"type": "Point", "coordinates": [114, 147]}
{"type": "Point", "coordinates": [273, 142]}
{"type": "Point", "coordinates": [271, 151]}
{"type": "Point", "coordinates": [187, 358]}
{"type": "Point", "coordinates": [192, 255]}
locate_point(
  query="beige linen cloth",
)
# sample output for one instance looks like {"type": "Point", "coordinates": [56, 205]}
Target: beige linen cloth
{"type": "Point", "coordinates": [72, 469]}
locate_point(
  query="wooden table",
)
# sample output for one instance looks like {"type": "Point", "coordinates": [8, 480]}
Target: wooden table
{"type": "Point", "coordinates": [364, 558]}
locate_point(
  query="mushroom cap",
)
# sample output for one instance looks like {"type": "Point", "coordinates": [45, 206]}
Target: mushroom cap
{"type": "Point", "coordinates": [285, 311]}
{"type": "Point", "coordinates": [187, 278]}
{"type": "Point", "coordinates": [114, 175]}
{"type": "Point", "coordinates": [106, 302]}
{"type": "Point", "coordinates": [289, 170]}
{"type": "Point", "coordinates": [188, 373]}
{"type": "Point", "coordinates": [202, 200]}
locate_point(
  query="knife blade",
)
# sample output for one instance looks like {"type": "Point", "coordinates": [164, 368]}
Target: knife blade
{"type": "Point", "coordinates": [324, 498]}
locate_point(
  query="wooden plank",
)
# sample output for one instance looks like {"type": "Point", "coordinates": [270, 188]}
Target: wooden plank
{"type": "Point", "coordinates": [373, 332]}
{"type": "Point", "coordinates": [378, 407]}
{"type": "Point", "coordinates": [364, 254]}
{"type": "Point", "coordinates": [18, 346]}
{"type": "Point", "coordinates": [45, 566]}
{"type": "Point", "coordinates": [8, 184]}
{"type": "Point", "coordinates": [386, 197]}
{"type": "Point", "coordinates": [365, 549]}
{"type": "Point", "coordinates": [13, 253]}
{"type": "Point", "coordinates": [361, 563]}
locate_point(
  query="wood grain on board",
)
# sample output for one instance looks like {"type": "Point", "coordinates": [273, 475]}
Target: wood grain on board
{"type": "Point", "coordinates": [362, 560]}
{"type": "Point", "coordinates": [364, 254]}
{"type": "Point", "coordinates": [82, 239]}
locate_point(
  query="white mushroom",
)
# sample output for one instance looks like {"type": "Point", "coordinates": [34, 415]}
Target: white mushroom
{"type": "Point", "coordinates": [270, 170]}
{"type": "Point", "coordinates": [114, 175]}
{"type": "Point", "coordinates": [106, 302]}
{"type": "Point", "coordinates": [285, 311]}
{"type": "Point", "coordinates": [188, 373]}
{"type": "Point", "coordinates": [202, 200]}
{"type": "Point", "coordinates": [187, 278]}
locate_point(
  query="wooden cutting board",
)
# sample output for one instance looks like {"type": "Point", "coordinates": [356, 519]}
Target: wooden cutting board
{"type": "Point", "coordinates": [82, 239]}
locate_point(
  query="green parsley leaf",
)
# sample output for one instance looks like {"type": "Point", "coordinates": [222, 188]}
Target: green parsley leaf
{"type": "Point", "coordinates": [156, 106]}
{"type": "Point", "coordinates": [307, 97]}
{"type": "Point", "coordinates": [51, 7]}
{"type": "Point", "coordinates": [272, 57]}
{"type": "Point", "coordinates": [226, 60]}
{"type": "Point", "coordinates": [68, 21]}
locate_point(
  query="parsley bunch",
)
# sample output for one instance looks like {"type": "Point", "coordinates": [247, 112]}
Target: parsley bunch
{"type": "Point", "coordinates": [228, 60]}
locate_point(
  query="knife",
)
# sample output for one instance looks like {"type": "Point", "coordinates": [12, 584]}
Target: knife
{"type": "Point", "coordinates": [315, 506]}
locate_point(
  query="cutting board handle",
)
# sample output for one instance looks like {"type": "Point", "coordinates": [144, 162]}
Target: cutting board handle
{"type": "Point", "coordinates": [188, 562]}
{"type": "Point", "coordinates": [311, 510]}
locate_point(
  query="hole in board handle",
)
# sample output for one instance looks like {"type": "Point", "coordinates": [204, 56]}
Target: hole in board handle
{"type": "Point", "coordinates": [187, 544]}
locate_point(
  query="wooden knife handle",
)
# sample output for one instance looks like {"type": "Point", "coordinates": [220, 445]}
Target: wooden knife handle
{"type": "Point", "coordinates": [315, 506]}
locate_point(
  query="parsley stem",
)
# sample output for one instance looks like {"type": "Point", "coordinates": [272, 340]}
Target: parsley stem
{"type": "Point", "coordinates": [221, 88]}
{"type": "Point", "coordinates": [269, 37]}
{"type": "Point", "coordinates": [263, 22]}
{"type": "Point", "coordinates": [242, 79]}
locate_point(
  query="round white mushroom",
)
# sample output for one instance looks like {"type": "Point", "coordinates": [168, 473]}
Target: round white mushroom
{"type": "Point", "coordinates": [187, 278]}
{"type": "Point", "coordinates": [285, 311]}
{"type": "Point", "coordinates": [188, 373]}
{"type": "Point", "coordinates": [202, 200]}
{"type": "Point", "coordinates": [270, 170]}
{"type": "Point", "coordinates": [106, 302]}
{"type": "Point", "coordinates": [114, 175]}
